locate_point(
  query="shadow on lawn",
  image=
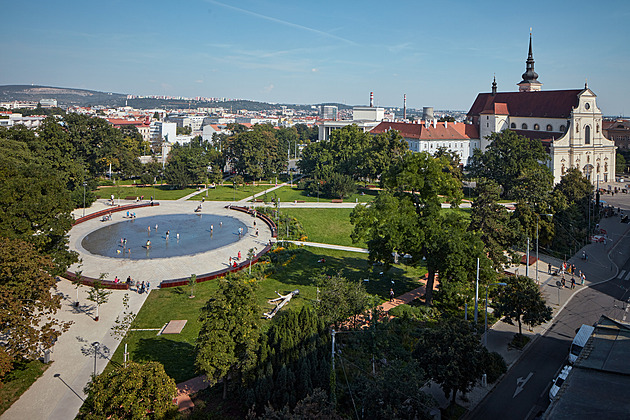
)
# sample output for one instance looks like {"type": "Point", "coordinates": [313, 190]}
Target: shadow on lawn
{"type": "Point", "coordinates": [305, 268]}
{"type": "Point", "coordinates": [178, 357]}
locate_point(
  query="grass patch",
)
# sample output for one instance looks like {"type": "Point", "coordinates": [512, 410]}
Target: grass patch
{"type": "Point", "coordinates": [228, 193]}
{"type": "Point", "coordinates": [289, 194]}
{"type": "Point", "coordinates": [328, 226]}
{"type": "Point", "coordinates": [519, 342]}
{"type": "Point", "coordinates": [177, 352]}
{"type": "Point", "coordinates": [19, 380]}
{"type": "Point", "coordinates": [159, 192]}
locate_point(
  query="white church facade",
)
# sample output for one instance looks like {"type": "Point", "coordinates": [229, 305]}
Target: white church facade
{"type": "Point", "coordinates": [567, 122]}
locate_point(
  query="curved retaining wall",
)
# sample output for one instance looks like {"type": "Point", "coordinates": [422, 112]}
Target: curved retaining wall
{"type": "Point", "coordinates": [114, 209]}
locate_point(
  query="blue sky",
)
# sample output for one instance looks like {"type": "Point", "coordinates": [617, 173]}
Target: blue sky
{"type": "Point", "coordinates": [440, 53]}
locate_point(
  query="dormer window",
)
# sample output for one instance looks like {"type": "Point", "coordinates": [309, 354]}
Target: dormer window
{"type": "Point", "coordinates": [524, 126]}
{"type": "Point", "coordinates": [513, 125]}
{"type": "Point", "coordinates": [563, 128]}
{"type": "Point", "coordinates": [536, 127]}
{"type": "Point", "coordinates": [549, 127]}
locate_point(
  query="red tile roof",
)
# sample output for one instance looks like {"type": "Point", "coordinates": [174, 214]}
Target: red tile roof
{"type": "Point", "coordinates": [452, 131]}
{"type": "Point", "coordinates": [542, 104]}
{"type": "Point", "coordinates": [119, 122]}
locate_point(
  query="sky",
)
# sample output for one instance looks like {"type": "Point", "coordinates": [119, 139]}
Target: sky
{"type": "Point", "coordinates": [438, 53]}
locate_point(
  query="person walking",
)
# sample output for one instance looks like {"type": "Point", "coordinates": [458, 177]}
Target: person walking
{"type": "Point", "coordinates": [391, 294]}
{"type": "Point", "coordinates": [572, 282]}
{"type": "Point", "coordinates": [239, 255]}
{"type": "Point", "coordinates": [548, 268]}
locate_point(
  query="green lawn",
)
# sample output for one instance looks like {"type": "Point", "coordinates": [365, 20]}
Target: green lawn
{"type": "Point", "coordinates": [228, 193]}
{"type": "Point", "coordinates": [19, 380]}
{"type": "Point", "coordinates": [328, 226]}
{"type": "Point", "coordinates": [159, 192]}
{"type": "Point", "coordinates": [289, 194]}
{"type": "Point", "coordinates": [176, 352]}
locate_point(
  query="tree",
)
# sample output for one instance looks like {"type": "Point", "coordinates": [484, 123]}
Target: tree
{"type": "Point", "coordinates": [229, 333]}
{"type": "Point", "coordinates": [339, 186]}
{"type": "Point", "coordinates": [340, 298]}
{"type": "Point", "coordinates": [255, 153]}
{"type": "Point", "coordinates": [521, 301]}
{"type": "Point", "coordinates": [493, 222]}
{"type": "Point", "coordinates": [191, 282]}
{"type": "Point", "coordinates": [28, 301]}
{"type": "Point", "coordinates": [135, 391]}
{"type": "Point", "coordinates": [456, 367]}
{"type": "Point", "coordinates": [508, 157]}
{"type": "Point", "coordinates": [407, 217]}
{"type": "Point", "coordinates": [98, 294]}
{"type": "Point", "coordinates": [620, 164]}
{"type": "Point", "coordinates": [122, 323]}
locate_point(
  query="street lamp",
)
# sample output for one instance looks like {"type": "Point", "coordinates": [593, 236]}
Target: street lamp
{"type": "Point", "coordinates": [485, 333]}
{"type": "Point", "coordinates": [96, 345]}
{"type": "Point", "coordinates": [84, 185]}
{"type": "Point", "coordinates": [537, 221]}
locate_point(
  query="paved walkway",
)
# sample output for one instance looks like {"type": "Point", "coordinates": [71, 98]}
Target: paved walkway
{"type": "Point", "coordinates": [330, 246]}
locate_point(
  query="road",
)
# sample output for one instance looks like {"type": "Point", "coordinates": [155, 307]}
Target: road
{"type": "Point", "coordinates": [523, 392]}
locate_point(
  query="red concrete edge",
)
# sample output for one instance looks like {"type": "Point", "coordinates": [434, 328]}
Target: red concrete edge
{"type": "Point", "coordinates": [215, 274]}
{"type": "Point", "coordinates": [113, 210]}
{"type": "Point", "coordinates": [89, 281]}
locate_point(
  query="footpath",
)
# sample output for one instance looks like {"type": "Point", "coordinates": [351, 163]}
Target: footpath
{"type": "Point", "coordinates": [598, 268]}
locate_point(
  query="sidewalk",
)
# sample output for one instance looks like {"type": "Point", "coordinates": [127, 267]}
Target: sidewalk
{"type": "Point", "coordinates": [599, 268]}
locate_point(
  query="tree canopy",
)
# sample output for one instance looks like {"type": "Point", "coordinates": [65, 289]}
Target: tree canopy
{"type": "Point", "coordinates": [255, 153]}
{"type": "Point", "coordinates": [509, 160]}
{"type": "Point", "coordinates": [521, 301]}
{"type": "Point", "coordinates": [27, 302]}
{"type": "Point", "coordinates": [137, 391]}
{"type": "Point", "coordinates": [229, 333]}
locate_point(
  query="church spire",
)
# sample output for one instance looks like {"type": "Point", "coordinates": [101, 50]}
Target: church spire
{"type": "Point", "coordinates": [530, 77]}
{"type": "Point", "coordinates": [494, 86]}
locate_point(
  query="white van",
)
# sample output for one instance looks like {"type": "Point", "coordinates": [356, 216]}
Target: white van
{"type": "Point", "coordinates": [579, 341]}
{"type": "Point", "coordinates": [557, 383]}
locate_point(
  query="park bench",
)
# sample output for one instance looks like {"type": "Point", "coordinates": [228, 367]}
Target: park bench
{"type": "Point", "coordinates": [336, 200]}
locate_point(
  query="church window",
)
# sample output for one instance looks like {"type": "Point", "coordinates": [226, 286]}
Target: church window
{"type": "Point", "coordinates": [524, 126]}
{"type": "Point", "coordinates": [563, 128]}
{"type": "Point", "coordinates": [605, 166]}
{"type": "Point", "coordinates": [513, 125]}
{"type": "Point", "coordinates": [587, 134]}
{"type": "Point", "coordinates": [598, 168]}
{"type": "Point", "coordinates": [536, 127]}
{"type": "Point", "coordinates": [549, 127]}
{"type": "Point", "coordinates": [563, 169]}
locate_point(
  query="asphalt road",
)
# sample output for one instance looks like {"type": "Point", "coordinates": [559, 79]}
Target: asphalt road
{"type": "Point", "coordinates": [523, 392]}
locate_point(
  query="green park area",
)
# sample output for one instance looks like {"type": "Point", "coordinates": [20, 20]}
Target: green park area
{"type": "Point", "coordinates": [295, 268]}
{"type": "Point", "coordinates": [291, 194]}
{"type": "Point", "coordinates": [229, 193]}
{"type": "Point", "coordinates": [328, 226]}
{"type": "Point", "coordinates": [158, 192]}
{"type": "Point", "coordinates": [23, 375]}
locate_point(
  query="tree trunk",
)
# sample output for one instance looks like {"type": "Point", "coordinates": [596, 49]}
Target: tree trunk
{"type": "Point", "coordinates": [225, 387]}
{"type": "Point", "coordinates": [454, 396]}
{"type": "Point", "coordinates": [428, 296]}
{"type": "Point", "coordinates": [520, 332]}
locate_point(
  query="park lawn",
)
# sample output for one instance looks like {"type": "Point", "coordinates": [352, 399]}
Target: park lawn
{"type": "Point", "coordinates": [177, 351]}
{"type": "Point", "coordinates": [159, 192]}
{"type": "Point", "coordinates": [16, 382]}
{"type": "Point", "coordinates": [228, 193]}
{"type": "Point", "coordinates": [290, 194]}
{"type": "Point", "coordinates": [328, 226]}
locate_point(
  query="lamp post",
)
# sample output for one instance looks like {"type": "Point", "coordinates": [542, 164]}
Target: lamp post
{"type": "Point", "coordinates": [485, 333]}
{"type": "Point", "coordinates": [537, 221]}
{"type": "Point", "coordinates": [84, 185]}
{"type": "Point", "coordinates": [96, 345]}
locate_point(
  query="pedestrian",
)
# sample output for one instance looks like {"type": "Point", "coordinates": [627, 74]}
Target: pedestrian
{"type": "Point", "coordinates": [239, 255]}
{"type": "Point", "coordinates": [178, 236]}
{"type": "Point", "coordinates": [391, 294]}
{"type": "Point", "coordinates": [564, 282]}
{"type": "Point", "coordinates": [583, 278]}
{"type": "Point", "coordinates": [168, 232]}
{"type": "Point", "coordinates": [128, 280]}
{"type": "Point", "coordinates": [141, 291]}
{"type": "Point", "coordinates": [116, 279]}
{"type": "Point", "coordinates": [548, 268]}
{"type": "Point", "coordinates": [127, 214]}
{"type": "Point", "coordinates": [572, 282]}
{"type": "Point", "coordinates": [148, 286]}
{"type": "Point", "coordinates": [148, 244]}
{"type": "Point", "coordinates": [220, 224]}
{"type": "Point", "coordinates": [211, 228]}
{"type": "Point", "coordinates": [156, 227]}
{"type": "Point", "coordinates": [230, 262]}
{"type": "Point", "coordinates": [149, 229]}
{"type": "Point", "coordinates": [254, 223]}
{"type": "Point", "coordinates": [257, 233]}
{"type": "Point", "coordinates": [234, 264]}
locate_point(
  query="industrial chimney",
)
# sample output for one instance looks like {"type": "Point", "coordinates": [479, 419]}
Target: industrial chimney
{"type": "Point", "coordinates": [405, 106]}
{"type": "Point", "coordinates": [371, 99]}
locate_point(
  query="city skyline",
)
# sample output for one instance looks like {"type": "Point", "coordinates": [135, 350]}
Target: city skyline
{"type": "Point", "coordinates": [439, 55]}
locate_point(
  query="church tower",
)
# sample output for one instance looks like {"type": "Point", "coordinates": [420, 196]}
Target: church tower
{"type": "Point", "coordinates": [530, 81]}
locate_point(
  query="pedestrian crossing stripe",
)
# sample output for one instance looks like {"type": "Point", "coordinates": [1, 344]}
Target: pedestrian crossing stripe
{"type": "Point", "coordinates": [627, 277]}
{"type": "Point", "coordinates": [622, 273]}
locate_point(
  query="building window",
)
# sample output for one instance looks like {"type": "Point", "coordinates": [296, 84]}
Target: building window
{"type": "Point", "coordinates": [549, 127]}
{"type": "Point", "coordinates": [536, 127]}
{"type": "Point", "coordinates": [563, 128]}
{"type": "Point", "coordinates": [524, 126]}
{"type": "Point", "coordinates": [587, 134]}
{"type": "Point", "coordinates": [513, 125]}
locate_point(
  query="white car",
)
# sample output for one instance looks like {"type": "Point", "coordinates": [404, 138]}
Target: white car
{"type": "Point", "coordinates": [557, 383]}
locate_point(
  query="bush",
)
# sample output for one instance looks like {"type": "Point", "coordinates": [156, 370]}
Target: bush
{"type": "Point", "coordinates": [496, 367]}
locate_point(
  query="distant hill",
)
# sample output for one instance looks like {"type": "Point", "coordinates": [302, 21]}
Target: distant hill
{"type": "Point", "coordinates": [80, 97]}
{"type": "Point", "coordinates": [65, 96]}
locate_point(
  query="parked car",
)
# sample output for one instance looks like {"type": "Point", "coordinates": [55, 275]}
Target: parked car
{"type": "Point", "coordinates": [557, 383]}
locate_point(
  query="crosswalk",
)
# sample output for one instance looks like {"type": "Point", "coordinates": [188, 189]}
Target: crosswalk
{"type": "Point", "coordinates": [621, 275]}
